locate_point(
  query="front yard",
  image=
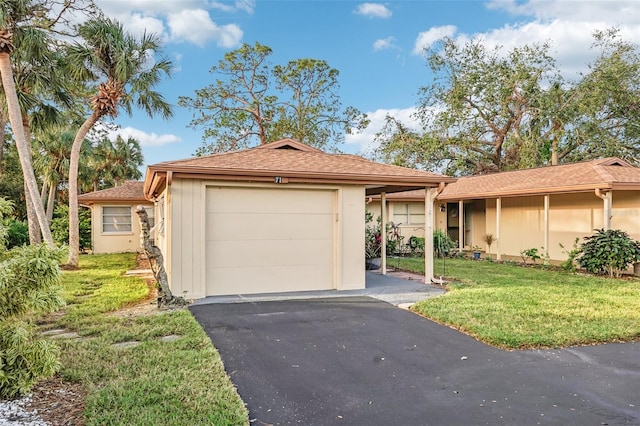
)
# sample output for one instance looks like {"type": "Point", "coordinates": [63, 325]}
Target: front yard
{"type": "Point", "coordinates": [516, 307]}
{"type": "Point", "coordinates": [147, 367]}
{"type": "Point", "coordinates": [138, 366]}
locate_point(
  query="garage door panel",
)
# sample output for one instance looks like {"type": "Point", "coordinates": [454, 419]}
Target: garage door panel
{"type": "Point", "coordinates": [261, 240]}
{"type": "Point", "coordinates": [243, 200]}
{"type": "Point", "coordinates": [271, 279]}
{"type": "Point", "coordinates": [249, 227]}
{"type": "Point", "coordinates": [266, 253]}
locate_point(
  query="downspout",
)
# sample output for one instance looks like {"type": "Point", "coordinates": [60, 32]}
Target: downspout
{"type": "Point", "coordinates": [606, 198]}
{"type": "Point", "coordinates": [167, 229]}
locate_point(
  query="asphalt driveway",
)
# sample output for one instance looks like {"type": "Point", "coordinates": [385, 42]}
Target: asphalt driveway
{"type": "Point", "coordinates": [361, 361]}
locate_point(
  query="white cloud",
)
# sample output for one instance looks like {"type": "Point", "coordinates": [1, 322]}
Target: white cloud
{"type": "Point", "coordinates": [245, 5]}
{"type": "Point", "coordinates": [383, 44]}
{"type": "Point", "coordinates": [197, 27]}
{"type": "Point", "coordinates": [373, 10]}
{"type": "Point", "coordinates": [179, 21]}
{"type": "Point", "coordinates": [566, 25]}
{"type": "Point", "coordinates": [615, 12]}
{"type": "Point", "coordinates": [145, 139]}
{"type": "Point", "coordinates": [364, 141]}
{"type": "Point", "coordinates": [427, 38]}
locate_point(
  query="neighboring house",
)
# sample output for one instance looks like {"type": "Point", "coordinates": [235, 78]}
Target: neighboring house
{"type": "Point", "coordinates": [534, 208]}
{"type": "Point", "coordinates": [279, 217]}
{"type": "Point", "coordinates": [114, 224]}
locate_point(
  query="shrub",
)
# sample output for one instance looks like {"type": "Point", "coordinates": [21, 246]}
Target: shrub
{"type": "Point", "coordinates": [570, 264]}
{"type": "Point", "coordinates": [416, 244]}
{"type": "Point", "coordinates": [29, 284]}
{"type": "Point", "coordinates": [17, 233]}
{"type": "Point", "coordinates": [442, 243]}
{"type": "Point", "coordinates": [608, 252]}
{"type": "Point", "coordinates": [60, 227]}
{"type": "Point", "coordinates": [530, 254]}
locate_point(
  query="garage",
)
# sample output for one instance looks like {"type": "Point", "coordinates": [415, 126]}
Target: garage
{"type": "Point", "coordinates": [261, 240]}
{"type": "Point", "coordinates": [280, 217]}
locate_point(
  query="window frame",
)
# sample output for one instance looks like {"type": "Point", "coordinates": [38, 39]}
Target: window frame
{"type": "Point", "coordinates": [103, 223]}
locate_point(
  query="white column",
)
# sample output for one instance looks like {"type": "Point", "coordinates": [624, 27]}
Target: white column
{"type": "Point", "coordinates": [498, 211]}
{"type": "Point", "coordinates": [460, 225]}
{"type": "Point", "coordinates": [428, 236]}
{"type": "Point", "coordinates": [607, 201]}
{"type": "Point", "coordinates": [383, 231]}
{"type": "Point", "coordinates": [546, 225]}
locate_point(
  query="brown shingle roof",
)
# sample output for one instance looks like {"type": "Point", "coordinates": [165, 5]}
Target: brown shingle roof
{"type": "Point", "coordinates": [607, 173]}
{"type": "Point", "coordinates": [131, 190]}
{"type": "Point", "coordinates": [297, 163]}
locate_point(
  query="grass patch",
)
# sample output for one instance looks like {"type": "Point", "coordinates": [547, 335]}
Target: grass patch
{"type": "Point", "coordinates": [514, 307]}
{"type": "Point", "coordinates": [181, 382]}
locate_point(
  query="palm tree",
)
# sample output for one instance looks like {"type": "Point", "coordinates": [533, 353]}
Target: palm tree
{"type": "Point", "coordinates": [113, 162]}
{"type": "Point", "coordinates": [122, 66]}
{"type": "Point", "coordinates": [11, 13]}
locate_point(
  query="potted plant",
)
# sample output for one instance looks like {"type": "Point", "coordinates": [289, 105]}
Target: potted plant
{"type": "Point", "coordinates": [476, 253]}
{"type": "Point", "coordinates": [372, 243]}
{"type": "Point", "coordinates": [489, 239]}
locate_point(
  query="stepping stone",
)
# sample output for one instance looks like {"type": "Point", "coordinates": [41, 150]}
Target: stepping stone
{"type": "Point", "coordinates": [68, 335]}
{"type": "Point", "coordinates": [170, 338]}
{"type": "Point", "coordinates": [126, 345]}
{"type": "Point", "coordinates": [54, 331]}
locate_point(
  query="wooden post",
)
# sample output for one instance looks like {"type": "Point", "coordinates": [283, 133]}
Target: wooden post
{"type": "Point", "coordinates": [383, 232]}
{"type": "Point", "coordinates": [428, 236]}
{"type": "Point", "coordinates": [498, 211]}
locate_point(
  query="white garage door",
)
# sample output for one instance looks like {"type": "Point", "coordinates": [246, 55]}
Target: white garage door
{"type": "Point", "coordinates": [269, 240]}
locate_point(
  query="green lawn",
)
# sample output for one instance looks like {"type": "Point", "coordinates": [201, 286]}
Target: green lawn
{"type": "Point", "coordinates": [182, 382]}
{"type": "Point", "coordinates": [518, 307]}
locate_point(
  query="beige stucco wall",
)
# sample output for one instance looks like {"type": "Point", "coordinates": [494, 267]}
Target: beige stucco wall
{"type": "Point", "coordinates": [571, 216]}
{"type": "Point", "coordinates": [406, 230]}
{"type": "Point", "coordinates": [185, 234]}
{"type": "Point", "coordinates": [626, 212]}
{"type": "Point", "coordinates": [114, 242]}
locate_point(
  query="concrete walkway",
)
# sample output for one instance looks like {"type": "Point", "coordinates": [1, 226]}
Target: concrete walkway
{"type": "Point", "coordinates": [397, 288]}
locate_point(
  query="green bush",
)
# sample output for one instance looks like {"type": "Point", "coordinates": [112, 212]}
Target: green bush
{"type": "Point", "coordinates": [570, 264]}
{"type": "Point", "coordinates": [442, 243]}
{"type": "Point", "coordinates": [29, 284]}
{"type": "Point", "coordinates": [60, 227]}
{"type": "Point", "coordinates": [608, 252]}
{"type": "Point", "coordinates": [17, 233]}
{"type": "Point", "coordinates": [416, 245]}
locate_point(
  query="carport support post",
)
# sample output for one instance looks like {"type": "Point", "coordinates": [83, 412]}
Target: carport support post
{"type": "Point", "coordinates": [383, 232]}
{"type": "Point", "coordinates": [546, 224]}
{"type": "Point", "coordinates": [428, 236]}
{"type": "Point", "coordinates": [498, 213]}
{"type": "Point", "coordinates": [461, 226]}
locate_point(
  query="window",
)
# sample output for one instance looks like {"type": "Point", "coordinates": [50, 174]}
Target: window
{"type": "Point", "coordinates": [116, 219]}
{"type": "Point", "coordinates": [408, 214]}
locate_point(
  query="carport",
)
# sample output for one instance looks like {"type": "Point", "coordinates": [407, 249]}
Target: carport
{"type": "Point", "coordinates": [282, 217]}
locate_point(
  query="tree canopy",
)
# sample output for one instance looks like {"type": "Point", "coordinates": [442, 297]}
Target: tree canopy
{"type": "Point", "coordinates": [252, 102]}
{"type": "Point", "coordinates": [488, 110]}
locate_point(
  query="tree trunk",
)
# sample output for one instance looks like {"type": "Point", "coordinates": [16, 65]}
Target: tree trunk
{"type": "Point", "coordinates": [3, 125]}
{"type": "Point", "coordinates": [15, 118]}
{"type": "Point", "coordinates": [35, 237]}
{"type": "Point", "coordinates": [156, 261]}
{"type": "Point", "coordinates": [74, 230]}
{"type": "Point", "coordinates": [32, 219]}
{"type": "Point", "coordinates": [53, 189]}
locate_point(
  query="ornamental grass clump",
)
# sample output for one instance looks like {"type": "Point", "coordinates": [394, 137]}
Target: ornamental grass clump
{"type": "Point", "coordinates": [29, 284]}
{"type": "Point", "coordinates": [608, 252]}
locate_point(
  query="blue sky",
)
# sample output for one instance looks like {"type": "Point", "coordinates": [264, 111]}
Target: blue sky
{"type": "Point", "coordinates": [376, 46]}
